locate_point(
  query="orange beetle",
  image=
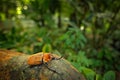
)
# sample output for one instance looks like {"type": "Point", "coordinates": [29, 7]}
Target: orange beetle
{"type": "Point", "coordinates": [40, 58]}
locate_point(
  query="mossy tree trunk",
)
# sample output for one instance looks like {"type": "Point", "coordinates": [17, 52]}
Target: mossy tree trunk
{"type": "Point", "coordinates": [14, 66]}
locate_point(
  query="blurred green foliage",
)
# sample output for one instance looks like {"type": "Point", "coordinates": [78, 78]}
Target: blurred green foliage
{"type": "Point", "coordinates": [85, 32]}
{"type": "Point", "coordinates": [109, 75]}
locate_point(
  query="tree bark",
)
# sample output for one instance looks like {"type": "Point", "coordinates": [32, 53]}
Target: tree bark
{"type": "Point", "coordinates": [14, 66]}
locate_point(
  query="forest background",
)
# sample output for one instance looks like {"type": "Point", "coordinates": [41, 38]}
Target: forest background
{"type": "Point", "coordinates": [86, 33]}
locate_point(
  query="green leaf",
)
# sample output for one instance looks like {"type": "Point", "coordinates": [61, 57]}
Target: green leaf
{"type": "Point", "coordinates": [110, 75]}
{"type": "Point", "coordinates": [47, 48]}
{"type": "Point", "coordinates": [98, 77]}
{"type": "Point", "coordinates": [89, 73]}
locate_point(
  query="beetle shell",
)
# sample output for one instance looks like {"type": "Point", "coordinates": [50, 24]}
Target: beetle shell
{"type": "Point", "coordinates": [39, 58]}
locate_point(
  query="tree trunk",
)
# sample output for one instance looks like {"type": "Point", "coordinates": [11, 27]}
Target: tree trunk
{"type": "Point", "coordinates": [15, 66]}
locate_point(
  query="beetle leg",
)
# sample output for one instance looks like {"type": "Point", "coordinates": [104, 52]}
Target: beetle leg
{"type": "Point", "coordinates": [46, 65]}
{"type": "Point", "coordinates": [57, 58]}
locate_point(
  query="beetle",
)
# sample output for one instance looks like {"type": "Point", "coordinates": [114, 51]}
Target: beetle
{"type": "Point", "coordinates": [40, 58]}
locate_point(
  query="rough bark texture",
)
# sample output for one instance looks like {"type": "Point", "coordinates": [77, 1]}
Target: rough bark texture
{"type": "Point", "coordinates": [13, 66]}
